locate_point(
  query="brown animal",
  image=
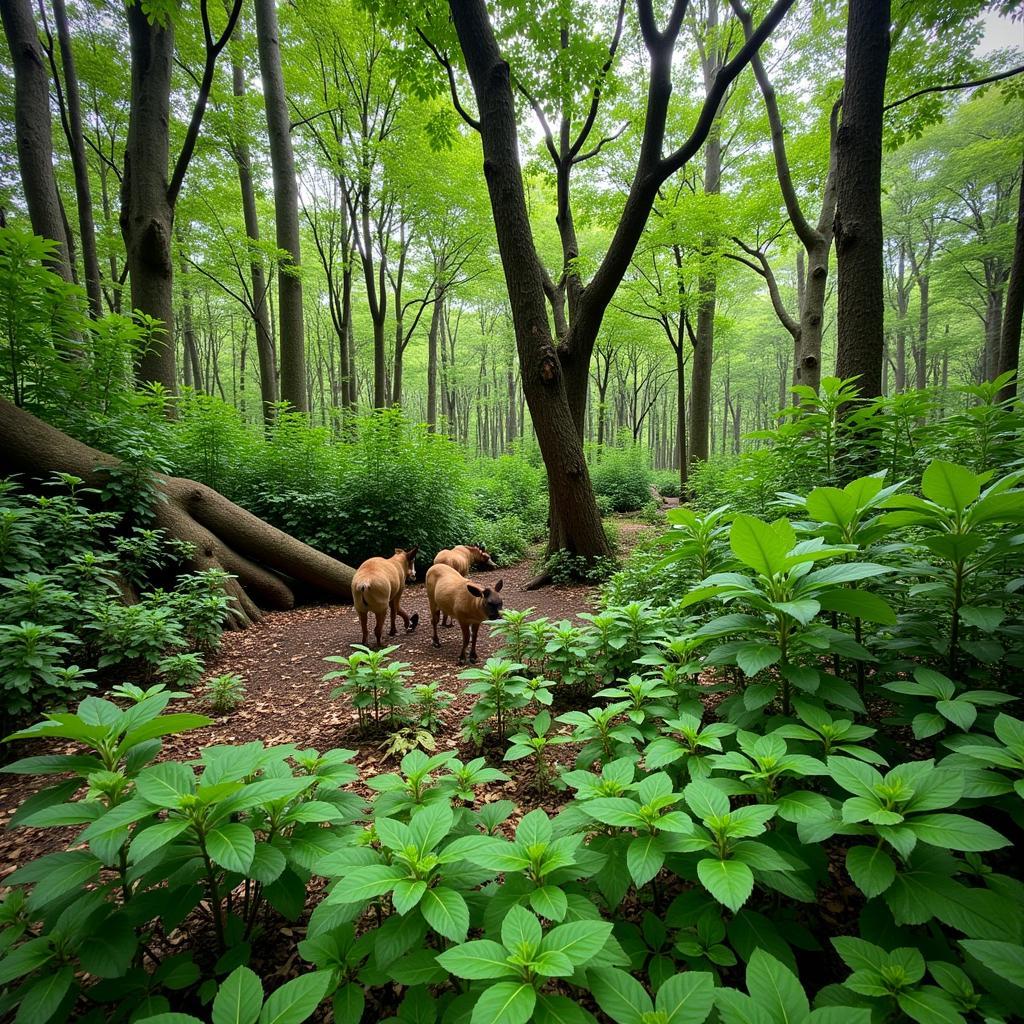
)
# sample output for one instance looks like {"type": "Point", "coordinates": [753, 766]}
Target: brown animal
{"type": "Point", "coordinates": [450, 592]}
{"type": "Point", "coordinates": [463, 558]}
{"type": "Point", "coordinates": [377, 586]}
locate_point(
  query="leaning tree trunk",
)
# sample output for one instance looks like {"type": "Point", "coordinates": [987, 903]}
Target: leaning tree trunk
{"type": "Point", "coordinates": [1009, 343]}
{"type": "Point", "coordinates": [858, 224]}
{"type": "Point", "coordinates": [286, 209]}
{"type": "Point", "coordinates": [223, 535]}
{"type": "Point", "coordinates": [32, 129]}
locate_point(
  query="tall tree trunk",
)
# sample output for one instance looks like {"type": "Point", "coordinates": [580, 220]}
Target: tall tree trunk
{"type": "Point", "coordinates": [76, 145]}
{"type": "Point", "coordinates": [33, 132]}
{"type": "Point", "coordinates": [286, 209]}
{"type": "Point", "coordinates": [574, 520]}
{"type": "Point", "coordinates": [920, 349]}
{"type": "Point", "coordinates": [993, 333]}
{"type": "Point", "coordinates": [261, 315]}
{"type": "Point", "coordinates": [681, 439]}
{"type": "Point", "coordinates": [147, 216]}
{"type": "Point", "coordinates": [349, 390]}
{"type": "Point", "coordinates": [1009, 342]}
{"type": "Point", "coordinates": [858, 223]}
{"type": "Point", "coordinates": [432, 334]}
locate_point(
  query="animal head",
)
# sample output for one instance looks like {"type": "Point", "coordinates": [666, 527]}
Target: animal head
{"type": "Point", "coordinates": [490, 597]}
{"type": "Point", "coordinates": [480, 556]}
{"type": "Point", "coordinates": [409, 555]}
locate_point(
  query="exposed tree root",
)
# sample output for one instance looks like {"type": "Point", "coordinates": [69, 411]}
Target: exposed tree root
{"type": "Point", "coordinates": [222, 534]}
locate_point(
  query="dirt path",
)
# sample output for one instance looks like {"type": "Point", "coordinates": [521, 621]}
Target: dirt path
{"type": "Point", "coordinates": [287, 701]}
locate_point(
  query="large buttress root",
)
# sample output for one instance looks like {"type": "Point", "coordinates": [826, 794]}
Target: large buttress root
{"type": "Point", "coordinates": [222, 534]}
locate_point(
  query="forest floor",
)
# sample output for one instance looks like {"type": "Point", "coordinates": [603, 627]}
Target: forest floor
{"type": "Point", "coordinates": [281, 659]}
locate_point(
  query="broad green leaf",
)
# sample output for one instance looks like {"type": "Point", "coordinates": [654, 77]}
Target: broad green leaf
{"type": "Point", "coordinates": [239, 998]}
{"type": "Point", "coordinates": [756, 656]}
{"type": "Point", "coordinates": [1004, 958]}
{"type": "Point", "coordinates": [164, 784]}
{"type": "Point", "coordinates": [861, 604]}
{"type": "Point", "coordinates": [730, 882]}
{"type": "Point", "coordinates": [475, 960]}
{"type": "Point", "coordinates": [295, 1001]}
{"type": "Point", "coordinates": [446, 912]}
{"type": "Point", "coordinates": [871, 869]}
{"type": "Point", "coordinates": [549, 901]}
{"type": "Point", "coordinates": [232, 846]}
{"type": "Point", "coordinates": [956, 832]}
{"type": "Point", "coordinates": [760, 545]}
{"type": "Point", "coordinates": [506, 1002]}
{"type": "Point", "coordinates": [775, 988]}
{"type": "Point", "coordinates": [520, 931]}
{"type": "Point", "coordinates": [42, 1000]}
{"type": "Point", "coordinates": [686, 998]}
{"type": "Point", "coordinates": [580, 941]}
{"type": "Point", "coordinates": [620, 995]}
{"type": "Point", "coordinates": [950, 485]}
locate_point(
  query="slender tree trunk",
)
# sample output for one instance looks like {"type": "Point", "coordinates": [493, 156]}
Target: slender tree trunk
{"type": "Point", "coordinates": [1009, 342]}
{"type": "Point", "coordinates": [33, 132]}
{"type": "Point", "coordinates": [76, 145]}
{"type": "Point", "coordinates": [683, 462]}
{"type": "Point", "coordinates": [858, 223]}
{"type": "Point", "coordinates": [261, 318]}
{"type": "Point", "coordinates": [432, 334]}
{"type": "Point", "coordinates": [993, 333]}
{"type": "Point", "coordinates": [920, 350]}
{"type": "Point", "coordinates": [286, 209]}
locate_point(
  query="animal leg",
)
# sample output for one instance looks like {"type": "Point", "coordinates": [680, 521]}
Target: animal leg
{"type": "Point", "coordinates": [362, 622]}
{"type": "Point", "coordinates": [393, 605]}
{"type": "Point", "coordinates": [465, 642]}
{"type": "Point", "coordinates": [379, 627]}
{"type": "Point", "coordinates": [473, 631]}
{"type": "Point", "coordinates": [434, 616]}
{"type": "Point", "coordinates": [411, 621]}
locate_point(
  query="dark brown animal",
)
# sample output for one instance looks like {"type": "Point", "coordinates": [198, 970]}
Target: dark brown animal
{"type": "Point", "coordinates": [449, 592]}
{"type": "Point", "coordinates": [378, 585]}
{"type": "Point", "coordinates": [462, 558]}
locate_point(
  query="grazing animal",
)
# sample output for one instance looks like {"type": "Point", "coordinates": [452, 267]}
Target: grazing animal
{"type": "Point", "coordinates": [378, 585]}
{"type": "Point", "coordinates": [463, 558]}
{"type": "Point", "coordinates": [450, 592]}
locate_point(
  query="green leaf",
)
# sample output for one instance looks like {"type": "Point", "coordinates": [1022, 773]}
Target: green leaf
{"type": "Point", "coordinates": [476, 960]}
{"type": "Point", "coordinates": [644, 858]}
{"type": "Point", "coordinates": [686, 998]}
{"type": "Point", "coordinates": [1004, 958]}
{"type": "Point", "coordinates": [706, 800]}
{"type": "Point", "coordinates": [929, 1006]}
{"type": "Point", "coordinates": [861, 604]}
{"type": "Point", "coordinates": [762, 546]}
{"type": "Point", "coordinates": [755, 656]}
{"type": "Point", "coordinates": [296, 1000]}
{"type": "Point", "coordinates": [580, 941]}
{"type": "Point", "coordinates": [164, 784]}
{"type": "Point", "coordinates": [985, 619]}
{"type": "Point", "coordinates": [56, 874]}
{"type": "Point", "coordinates": [952, 486]}
{"type": "Point", "coordinates": [956, 832]}
{"type": "Point", "coordinates": [520, 931]}
{"type": "Point", "coordinates": [156, 836]}
{"type": "Point", "coordinates": [42, 1000]}
{"type": "Point", "coordinates": [446, 912]}
{"type": "Point", "coordinates": [620, 995]}
{"type": "Point", "coordinates": [871, 869]}
{"type": "Point", "coordinates": [239, 998]}
{"type": "Point", "coordinates": [729, 881]}
{"type": "Point", "coordinates": [232, 846]}
{"type": "Point", "coordinates": [507, 1002]}
{"type": "Point", "coordinates": [775, 988]}
{"type": "Point", "coordinates": [549, 901]}
{"type": "Point", "coordinates": [365, 883]}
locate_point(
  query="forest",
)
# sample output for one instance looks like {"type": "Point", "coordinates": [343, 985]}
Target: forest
{"type": "Point", "coordinates": [511, 511]}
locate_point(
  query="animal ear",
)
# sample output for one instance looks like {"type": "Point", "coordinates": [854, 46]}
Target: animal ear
{"type": "Point", "coordinates": [412, 551]}
{"type": "Point", "coordinates": [474, 590]}
{"type": "Point", "coordinates": [499, 585]}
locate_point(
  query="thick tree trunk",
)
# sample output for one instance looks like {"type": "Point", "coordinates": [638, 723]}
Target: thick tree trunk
{"type": "Point", "coordinates": [33, 132]}
{"type": "Point", "coordinates": [993, 333]}
{"type": "Point", "coordinates": [286, 209]}
{"type": "Point", "coordinates": [575, 523]}
{"type": "Point", "coordinates": [223, 535]}
{"type": "Point", "coordinates": [1009, 342]}
{"type": "Point", "coordinates": [80, 165]}
{"type": "Point", "coordinates": [858, 222]}
{"type": "Point", "coordinates": [147, 217]}
{"type": "Point", "coordinates": [261, 316]}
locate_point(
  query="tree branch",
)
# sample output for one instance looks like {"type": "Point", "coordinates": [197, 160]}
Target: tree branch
{"type": "Point", "coordinates": [949, 87]}
{"type": "Point", "coordinates": [595, 101]}
{"type": "Point", "coordinates": [452, 85]}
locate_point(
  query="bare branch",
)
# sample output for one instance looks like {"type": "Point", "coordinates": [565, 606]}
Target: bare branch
{"type": "Point", "coordinates": [987, 80]}
{"type": "Point", "coordinates": [452, 85]}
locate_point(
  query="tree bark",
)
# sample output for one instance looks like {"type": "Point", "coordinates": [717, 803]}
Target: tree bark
{"type": "Point", "coordinates": [432, 334]}
{"type": "Point", "coordinates": [261, 316]}
{"type": "Point", "coordinates": [286, 209]}
{"type": "Point", "coordinates": [1009, 342]}
{"type": "Point", "coordinates": [33, 132]}
{"type": "Point", "coordinates": [858, 222]}
{"type": "Point", "coordinates": [79, 163]}
{"type": "Point", "coordinates": [223, 535]}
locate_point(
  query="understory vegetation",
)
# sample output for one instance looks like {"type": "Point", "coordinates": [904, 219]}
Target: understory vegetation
{"type": "Point", "coordinates": [770, 714]}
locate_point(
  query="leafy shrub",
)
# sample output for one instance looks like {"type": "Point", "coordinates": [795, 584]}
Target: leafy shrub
{"type": "Point", "coordinates": [225, 692]}
{"type": "Point", "coordinates": [376, 687]}
{"type": "Point", "coordinates": [667, 483]}
{"type": "Point", "coordinates": [623, 476]}
{"type": "Point", "coordinates": [506, 539]}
